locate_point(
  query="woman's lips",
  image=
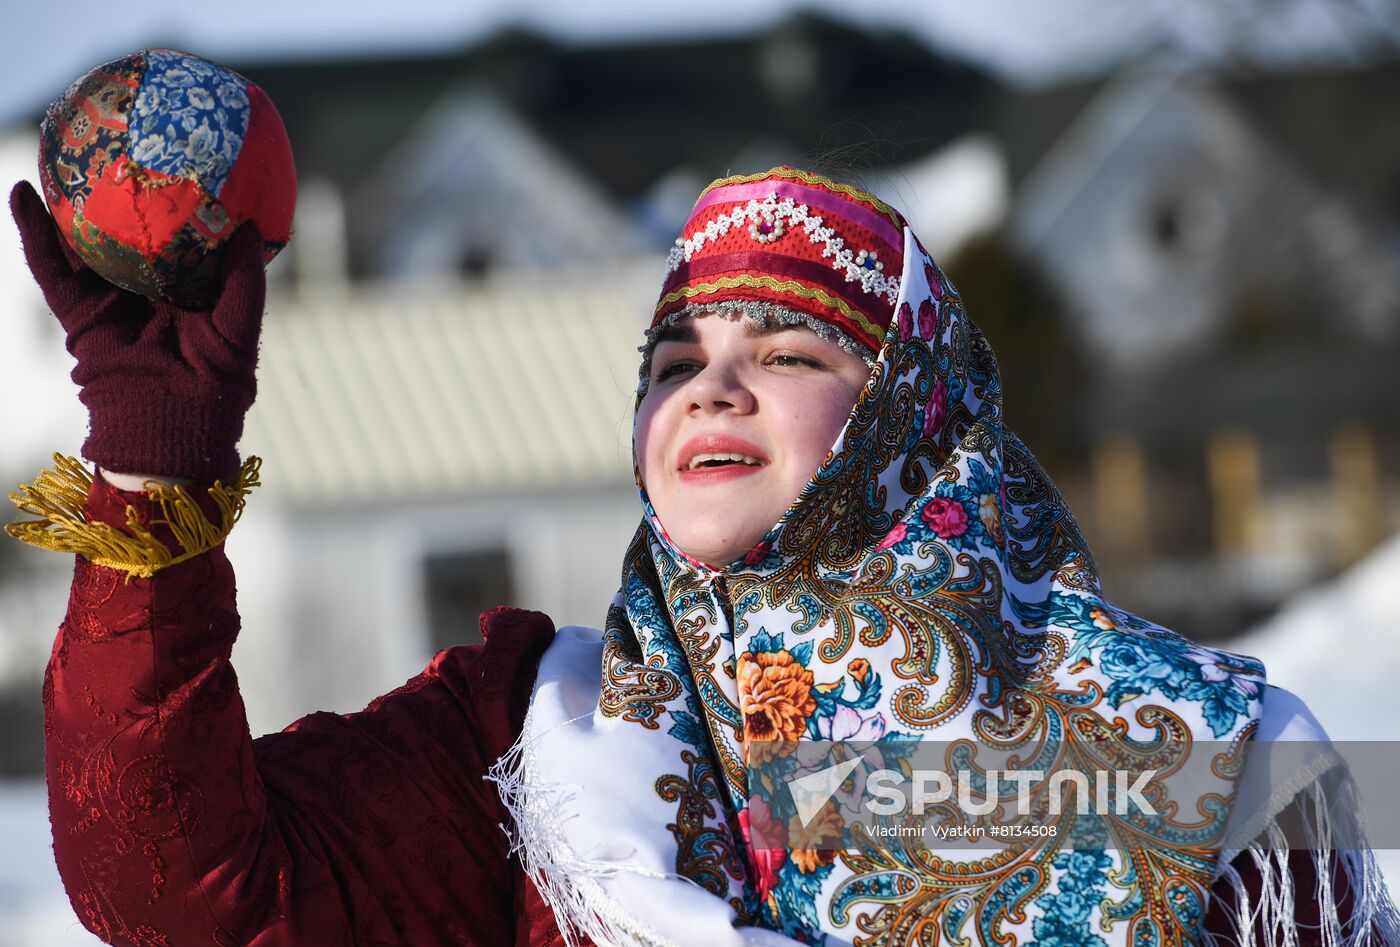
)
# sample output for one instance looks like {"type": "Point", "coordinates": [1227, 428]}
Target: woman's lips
{"type": "Point", "coordinates": [706, 475]}
{"type": "Point", "coordinates": [718, 473]}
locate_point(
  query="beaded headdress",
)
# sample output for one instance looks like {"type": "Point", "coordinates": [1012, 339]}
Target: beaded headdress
{"type": "Point", "coordinates": [788, 245]}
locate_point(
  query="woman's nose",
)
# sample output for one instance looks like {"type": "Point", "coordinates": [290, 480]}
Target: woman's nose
{"type": "Point", "coordinates": [719, 387]}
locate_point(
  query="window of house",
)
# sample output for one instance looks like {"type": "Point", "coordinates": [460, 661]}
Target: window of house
{"type": "Point", "coordinates": [474, 262]}
{"type": "Point", "coordinates": [1183, 223]}
{"type": "Point", "coordinates": [458, 586]}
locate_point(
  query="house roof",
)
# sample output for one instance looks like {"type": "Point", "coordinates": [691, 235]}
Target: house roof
{"type": "Point", "coordinates": [1331, 124]}
{"type": "Point", "coordinates": [384, 395]}
{"type": "Point", "coordinates": [627, 113]}
{"type": "Point", "coordinates": [472, 182]}
{"type": "Point", "coordinates": [1337, 124]}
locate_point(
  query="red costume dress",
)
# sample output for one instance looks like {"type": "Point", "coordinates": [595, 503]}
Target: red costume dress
{"type": "Point", "coordinates": [173, 827]}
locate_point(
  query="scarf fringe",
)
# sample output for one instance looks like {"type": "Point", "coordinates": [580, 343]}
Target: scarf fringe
{"type": "Point", "coordinates": [1334, 832]}
{"type": "Point", "coordinates": [59, 498]}
{"type": "Point", "coordinates": [569, 883]}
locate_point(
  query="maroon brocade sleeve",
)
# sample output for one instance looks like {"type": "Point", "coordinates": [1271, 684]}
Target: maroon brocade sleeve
{"type": "Point", "coordinates": [172, 827]}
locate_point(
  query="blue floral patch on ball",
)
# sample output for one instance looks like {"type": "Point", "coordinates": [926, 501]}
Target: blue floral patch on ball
{"type": "Point", "coordinates": [189, 119]}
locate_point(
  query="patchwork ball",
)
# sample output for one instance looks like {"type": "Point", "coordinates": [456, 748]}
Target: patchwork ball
{"type": "Point", "coordinates": [150, 162]}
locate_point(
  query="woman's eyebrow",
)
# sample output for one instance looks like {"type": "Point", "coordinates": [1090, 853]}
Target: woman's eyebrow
{"type": "Point", "coordinates": [677, 332]}
{"type": "Point", "coordinates": [684, 332]}
{"type": "Point", "coordinates": [756, 330]}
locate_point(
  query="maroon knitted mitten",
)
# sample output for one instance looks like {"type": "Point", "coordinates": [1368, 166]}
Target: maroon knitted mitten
{"type": "Point", "coordinates": [166, 389]}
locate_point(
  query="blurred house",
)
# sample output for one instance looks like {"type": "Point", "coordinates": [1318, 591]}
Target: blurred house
{"type": "Point", "coordinates": [470, 189]}
{"type": "Point", "coordinates": [1237, 289]}
{"type": "Point", "coordinates": [1166, 210]}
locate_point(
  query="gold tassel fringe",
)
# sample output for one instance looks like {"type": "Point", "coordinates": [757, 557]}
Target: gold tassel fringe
{"type": "Point", "coordinates": [59, 498]}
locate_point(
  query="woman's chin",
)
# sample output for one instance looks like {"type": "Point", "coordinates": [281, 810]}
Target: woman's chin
{"type": "Point", "coordinates": [717, 555]}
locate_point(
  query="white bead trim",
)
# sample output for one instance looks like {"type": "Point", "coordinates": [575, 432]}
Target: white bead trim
{"type": "Point", "coordinates": [771, 210]}
{"type": "Point", "coordinates": [775, 228]}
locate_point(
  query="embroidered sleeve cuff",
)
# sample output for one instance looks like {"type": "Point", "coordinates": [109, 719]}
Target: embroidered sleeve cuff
{"type": "Point", "coordinates": [136, 533]}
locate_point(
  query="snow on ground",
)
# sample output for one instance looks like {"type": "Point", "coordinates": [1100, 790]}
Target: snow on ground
{"type": "Point", "coordinates": [1338, 647]}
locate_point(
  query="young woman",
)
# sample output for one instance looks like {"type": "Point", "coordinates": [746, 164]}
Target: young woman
{"type": "Point", "coordinates": [841, 543]}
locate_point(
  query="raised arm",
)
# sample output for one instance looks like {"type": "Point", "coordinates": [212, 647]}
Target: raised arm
{"type": "Point", "coordinates": [171, 825]}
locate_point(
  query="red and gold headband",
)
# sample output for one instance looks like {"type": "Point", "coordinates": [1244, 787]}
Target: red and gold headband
{"type": "Point", "coordinates": [793, 239]}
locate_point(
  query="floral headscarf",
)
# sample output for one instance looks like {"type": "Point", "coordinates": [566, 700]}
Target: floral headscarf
{"type": "Point", "coordinates": [929, 583]}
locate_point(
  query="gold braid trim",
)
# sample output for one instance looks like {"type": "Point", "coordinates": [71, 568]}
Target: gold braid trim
{"type": "Point", "coordinates": [59, 498]}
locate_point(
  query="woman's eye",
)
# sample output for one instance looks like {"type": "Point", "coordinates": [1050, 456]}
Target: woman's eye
{"type": "Point", "coordinates": [789, 360]}
{"type": "Point", "coordinates": [673, 369]}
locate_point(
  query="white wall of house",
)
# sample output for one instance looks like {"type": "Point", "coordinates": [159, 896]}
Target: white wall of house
{"type": "Point", "coordinates": [39, 414]}
{"type": "Point", "coordinates": [333, 603]}
{"type": "Point", "coordinates": [39, 408]}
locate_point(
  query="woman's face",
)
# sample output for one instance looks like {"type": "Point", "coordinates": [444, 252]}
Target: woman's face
{"type": "Point", "coordinates": [736, 420]}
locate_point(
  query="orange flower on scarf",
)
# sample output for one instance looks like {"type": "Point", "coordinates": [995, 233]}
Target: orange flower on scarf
{"type": "Point", "coordinates": [989, 512]}
{"type": "Point", "coordinates": [804, 840]}
{"type": "Point", "coordinates": [775, 696]}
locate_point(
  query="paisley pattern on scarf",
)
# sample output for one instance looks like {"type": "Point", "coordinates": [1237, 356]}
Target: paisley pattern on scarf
{"type": "Point", "coordinates": [928, 583]}
{"type": "Point", "coordinates": [705, 856]}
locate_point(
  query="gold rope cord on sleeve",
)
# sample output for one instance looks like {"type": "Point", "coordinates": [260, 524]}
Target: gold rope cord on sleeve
{"type": "Point", "coordinates": [59, 498]}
